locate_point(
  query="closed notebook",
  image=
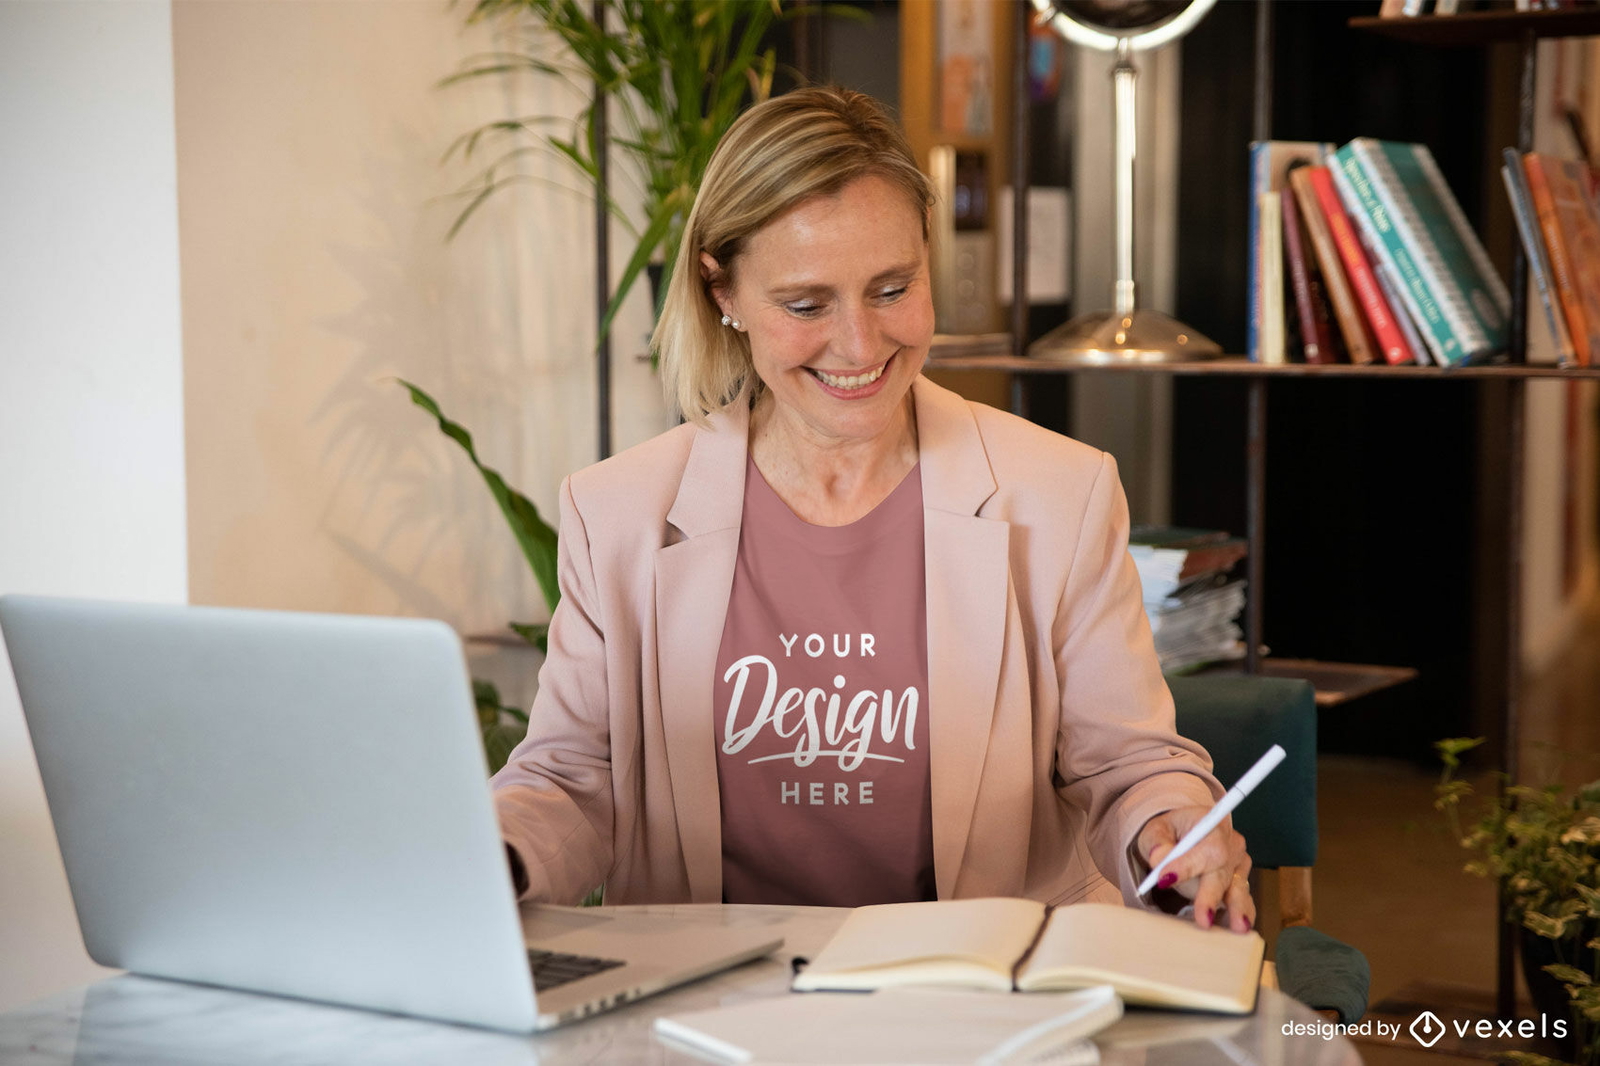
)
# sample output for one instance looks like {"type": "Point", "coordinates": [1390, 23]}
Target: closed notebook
{"type": "Point", "coordinates": [1150, 959]}
{"type": "Point", "coordinates": [921, 1026]}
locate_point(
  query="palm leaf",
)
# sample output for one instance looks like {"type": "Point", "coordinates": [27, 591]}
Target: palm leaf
{"type": "Point", "coordinates": [534, 535]}
{"type": "Point", "coordinates": [676, 72]}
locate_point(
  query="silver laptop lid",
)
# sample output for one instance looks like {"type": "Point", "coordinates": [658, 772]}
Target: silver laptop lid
{"type": "Point", "coordinates": [288, 803]}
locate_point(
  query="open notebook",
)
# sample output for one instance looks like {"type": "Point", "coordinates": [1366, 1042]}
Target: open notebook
{"type": "Point", "coordinates": [1150, 959]}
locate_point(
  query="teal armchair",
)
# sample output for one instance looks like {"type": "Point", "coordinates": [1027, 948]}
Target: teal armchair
{"type": "Point", "coordinates": [1236, 718]}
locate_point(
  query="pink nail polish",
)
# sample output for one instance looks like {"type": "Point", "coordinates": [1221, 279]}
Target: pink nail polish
{"type": "Point", "coordinates": [1211, 915]}
{"type": "Point", "coordinates": [1168, 879]}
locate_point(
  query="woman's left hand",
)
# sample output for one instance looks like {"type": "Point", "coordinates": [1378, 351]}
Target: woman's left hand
{"type": "Point", "coordinates": [1214, 874]}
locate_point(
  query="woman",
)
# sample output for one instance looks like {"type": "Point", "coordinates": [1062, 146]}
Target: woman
{"type": "Point", "coordinates": [844, 637]}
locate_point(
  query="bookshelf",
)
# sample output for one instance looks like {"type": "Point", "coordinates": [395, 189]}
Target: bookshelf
{"type": "Point", "coordinates": [1483, 27]}
{"type": "Point", "coordinates": [1239, 367]}
{"type": "Point", "coordinates": [1340, 682]}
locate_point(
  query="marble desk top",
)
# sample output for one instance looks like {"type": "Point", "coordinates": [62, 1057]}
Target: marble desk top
{"type": "Point", "coordinates": [130, 1020]}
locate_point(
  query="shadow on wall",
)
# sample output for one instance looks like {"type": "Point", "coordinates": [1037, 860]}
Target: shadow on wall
{"type": "Point", "coordinates": [315, 209]}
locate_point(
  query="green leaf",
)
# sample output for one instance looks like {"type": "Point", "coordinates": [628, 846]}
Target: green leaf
{"type": "Point", "coordinates": [1569, 975]}
{"type": "Point", "coordinates": [1546, 926]}
{"type": "Point", "coordinates": [498, 742]}
{"type": "Point", "coordinates": [652, 237]}
{"type": "Point", "coordinates": [1451, 748]}
{"type": "Point", "coordinates": [534, 535]}
{"type": "Point", "coordinates": [537, 635]}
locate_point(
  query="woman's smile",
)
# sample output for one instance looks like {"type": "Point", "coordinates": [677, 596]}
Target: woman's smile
{"type": "Point", "coordinates": [851, 385]}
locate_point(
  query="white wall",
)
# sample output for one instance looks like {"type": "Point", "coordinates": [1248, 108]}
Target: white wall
{"type": "Point", "coordinates": [315, 264]}
{"type": "Point", "coordinates": [91, 442]}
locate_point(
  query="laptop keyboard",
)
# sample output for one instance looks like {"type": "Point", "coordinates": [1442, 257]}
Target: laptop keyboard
{"type": "Point", "coordinates": [552, 969]}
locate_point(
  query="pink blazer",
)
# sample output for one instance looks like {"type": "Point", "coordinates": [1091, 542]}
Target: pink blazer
{"type": "Point", "coordinates": [1051, 735]}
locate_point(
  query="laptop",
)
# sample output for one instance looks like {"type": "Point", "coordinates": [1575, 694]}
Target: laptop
{"type": "Point", "coordinates": [298, 804]}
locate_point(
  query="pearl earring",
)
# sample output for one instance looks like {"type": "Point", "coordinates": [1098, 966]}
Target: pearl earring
{"type": "Point", "coordinates": [734, 322]}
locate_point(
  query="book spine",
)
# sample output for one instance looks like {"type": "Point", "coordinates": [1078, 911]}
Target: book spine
{"type": "Point", "coordinates": [1544, 205]}
{"type": "Point", "coordinates": [1467, 336]}
{"type": "Point", "coordinates": [1313, 328]}
{"type": "Point", "coordinates": [1391, 342]}
{"type": "Point", "coordinates": [1259, 155]}
{"type": "Point", "coordinates": [1424, 212]}
{"type": "Point", "coordinates": [1374, 217]}
{"type": "Point", "coordinates": [1490, 299]}
{"type": "Point", "coordinates": [1271, 335]}
{"type": "Point", "coordinates": [1538, 258]}
{"type": "Point", "coordinates": [1345, 309]}
{"type": "Point", "coordinates": [1568, 182]}
{"type": "Point", "coordinates": [1391, 292]}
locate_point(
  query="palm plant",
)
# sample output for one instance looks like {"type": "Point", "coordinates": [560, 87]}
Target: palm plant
{"type": "Point", "coordinates": [678, 72]}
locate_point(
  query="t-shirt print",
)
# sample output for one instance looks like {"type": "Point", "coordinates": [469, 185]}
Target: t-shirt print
{"type": "Point", "coordinates": [821, 707]}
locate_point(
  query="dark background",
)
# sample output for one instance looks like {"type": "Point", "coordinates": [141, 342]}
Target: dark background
{"type": "Point", "coordinates": [1385, 507]}
{"type": "Point", "coordinates": [1384, 500]}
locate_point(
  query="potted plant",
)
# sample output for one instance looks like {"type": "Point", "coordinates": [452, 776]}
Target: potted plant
{"type": "Point", "coordinates": [677, 73]}
{"type": "Point", "coordinates": [1543, 845]}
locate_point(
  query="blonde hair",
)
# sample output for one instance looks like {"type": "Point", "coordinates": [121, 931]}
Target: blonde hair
{"type": "Point", "coordinates": [806, 143]}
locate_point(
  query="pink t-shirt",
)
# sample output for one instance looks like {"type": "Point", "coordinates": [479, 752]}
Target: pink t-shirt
{"type": "Point", "coordinates": [822, 708]}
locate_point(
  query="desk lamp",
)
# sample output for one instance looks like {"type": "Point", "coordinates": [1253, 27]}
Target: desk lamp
{"type": "Point", "coordinates": [1125, 334]}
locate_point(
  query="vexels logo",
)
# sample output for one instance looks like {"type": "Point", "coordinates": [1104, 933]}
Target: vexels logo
{"type": "Point", "coordinates": [1426, 1028]}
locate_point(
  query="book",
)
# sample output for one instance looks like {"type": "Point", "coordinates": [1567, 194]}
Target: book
{"type": "Point", "coordinates": [1450, 286]}
{"type": "Point", "coordinates": [1392, 259]}
{"type": "Point", "coordinates": [1391, 342]}
{"type": "Point", "coordinates": [1566, 218]}
{"type": "Point", "coordinates": [1391, 292]}
{"type": "Point", "coordinates": [1352, 325]}
{"type": "Point", "coordinates": [1305, 280]}
{"type": "Point", "coordinates": [1272, 345]}
{"type": "Point", "coordinates": [1001, 944]}
{"type": "Point", "coordinates": [1533, 245]}
{"type": "Point", "coordinates": [925, 1026]}
{"type": "Point", "coordinates": [1270, 163]}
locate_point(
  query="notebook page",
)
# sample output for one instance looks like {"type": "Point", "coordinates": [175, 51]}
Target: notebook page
{"type": "Point", "coordinates": [1149, 958]}
{"type": "Point", "coordinates": [992, 933]}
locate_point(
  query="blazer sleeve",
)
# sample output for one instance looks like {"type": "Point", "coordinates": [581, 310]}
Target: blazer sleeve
{"type": "Point", "coordinates": [553, 797]}
{"type": "Point", "coordinates": [1118, 755]}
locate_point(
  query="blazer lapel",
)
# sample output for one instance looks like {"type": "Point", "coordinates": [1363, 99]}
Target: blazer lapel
{"type": "Point", "coordinates": [967, 579]}
{"type": "Point", "coordinates": [694, 579]}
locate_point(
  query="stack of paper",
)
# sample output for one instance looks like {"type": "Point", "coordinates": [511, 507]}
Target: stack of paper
{"type": "Point", "coordinates": [1198, 625]}
{"type": "Point", "coordinates": [900, 1025]}
{"type": "Point", "coordinates": [1191, 604]}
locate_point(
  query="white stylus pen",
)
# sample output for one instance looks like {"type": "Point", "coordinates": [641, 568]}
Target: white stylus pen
{"type": "Point", "coordinates": [1252, 777]}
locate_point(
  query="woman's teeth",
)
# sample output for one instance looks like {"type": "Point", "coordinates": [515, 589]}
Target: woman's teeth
{"type": "Point", "coordinates": [850, 382]}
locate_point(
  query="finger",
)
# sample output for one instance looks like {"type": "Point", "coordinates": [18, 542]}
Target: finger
{"type": "Point", "coordinates": [1158, 837]}
{"type": "Point", "coordinates": [1215, 851]}
{"type": "Point", "coordinates": [1212, 886]}
{"type": "Point", "coordinates": [1240, 904]}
